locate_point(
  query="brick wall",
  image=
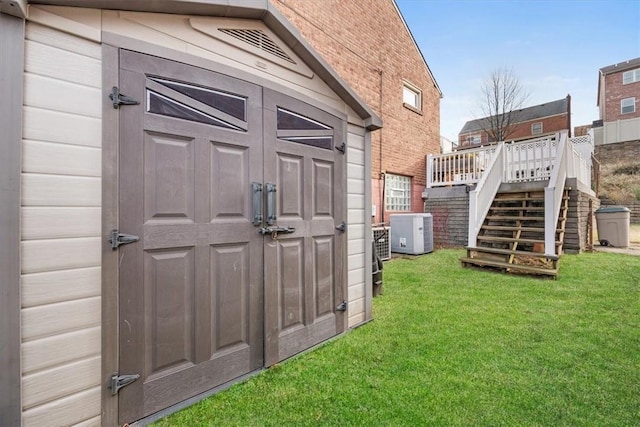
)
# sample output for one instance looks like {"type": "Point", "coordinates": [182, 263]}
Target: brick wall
{"type": "Point", "coordinates": [578, 227]}
{"type": "Point", "coordinates": [614, 92]}
{"type": "Point", "coordinates": [450, 210]}
{"type": "Point", "coordinates": [617, 152]}
{"type": "Point", "coordinates": [375, 54]}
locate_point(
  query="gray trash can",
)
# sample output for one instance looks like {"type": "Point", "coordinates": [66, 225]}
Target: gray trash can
{"type": "Point", "coordinates": [613, 226]}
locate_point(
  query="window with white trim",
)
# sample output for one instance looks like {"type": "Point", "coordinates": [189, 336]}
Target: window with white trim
{"type": "Point", "coordinates": [628, 105]}
{"type": "Point", "coordinates": [474, 139]}
{"type": "Point", "coordinates": [536, 128]}
{"type": "Point", "coordinates": [397, 192]}
{"type": "Point", "coordinates": [411, 96]}
{"type": "Point", "coordinates": [631, 76]}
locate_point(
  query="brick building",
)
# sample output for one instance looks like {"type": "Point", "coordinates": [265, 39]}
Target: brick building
{"type": "Point", "coordinates": [377, 55]}
{"type": "Point", "coordinates": [531, 122]}
{"type": "Point", "coordinates": [619, 103]}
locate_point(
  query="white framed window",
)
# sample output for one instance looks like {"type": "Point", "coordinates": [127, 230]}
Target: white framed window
{"type": "Point", "coordinates": [474, 139]}
{"type": "Point", "coordinates": [536, 128]}
{"type": "Point", "coordinates": [397, 192]}
{"type": "Point", "coordinates": [628, 105]}
{"type": "Point", "coordinates": [411, 96]}
{"type": "Point", "coordinates": [631, 76]}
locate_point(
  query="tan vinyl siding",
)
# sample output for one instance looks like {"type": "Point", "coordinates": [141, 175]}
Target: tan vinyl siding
{"type": "Point", "coordinates": [60, 230]}
{"type": "Point", "coordinates": [356, 226]}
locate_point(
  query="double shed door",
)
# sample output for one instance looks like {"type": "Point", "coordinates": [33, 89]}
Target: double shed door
{"type": "Point", "coordinates": [209, 293]}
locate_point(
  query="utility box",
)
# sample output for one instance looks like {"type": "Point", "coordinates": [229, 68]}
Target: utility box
{"type": "Point", "coordinates": [411, 233]}
{"type": "Point", "coordinates": [613, 226]}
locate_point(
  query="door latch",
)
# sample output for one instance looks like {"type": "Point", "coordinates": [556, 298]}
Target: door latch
{"type": "Point", "coordinates": [119, 99]}
{"type": "Point", "coordinates": [342, 227]}
{"type": "Point", "coordinates": [116, 239]}
{"type": "Point", "coordinates": [277, 230]}
{"type": "Point", "coordinates": [118, 381]}
{"type": "Point", "coordinates": [342, 306]}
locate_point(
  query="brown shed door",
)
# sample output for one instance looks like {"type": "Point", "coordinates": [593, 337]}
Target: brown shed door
{"type": "Point", "coordinates": [303, 270]}
{"type": "Point", "coordinates": [202, 287]}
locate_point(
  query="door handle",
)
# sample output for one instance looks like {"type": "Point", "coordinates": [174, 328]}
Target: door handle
{"type": "Point", "coordinates": [256, 189]}
{"type": "Point", "coordinates": [274, 231]}
{"type": "Point", "coordinates": [271, 203]}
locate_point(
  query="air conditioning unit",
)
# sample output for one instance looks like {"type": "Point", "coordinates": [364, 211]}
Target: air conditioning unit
{"type": "Point", "coordinates": [412, 233]}
{"type": "Point", "coordinates": [382, 242]}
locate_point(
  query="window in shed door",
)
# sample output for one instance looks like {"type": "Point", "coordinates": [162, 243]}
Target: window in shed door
{"type": "Point", "coordinates": [294, 127]}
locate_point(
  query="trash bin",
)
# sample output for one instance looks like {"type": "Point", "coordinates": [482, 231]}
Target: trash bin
{"type": "Point", "coordinates": [613, 226]}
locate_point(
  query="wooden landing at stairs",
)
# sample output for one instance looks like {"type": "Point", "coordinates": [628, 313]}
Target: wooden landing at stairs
{"type": "Point", "coordinates": [511, 238]}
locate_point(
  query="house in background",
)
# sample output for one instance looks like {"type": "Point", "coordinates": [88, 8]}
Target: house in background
{"type": "Point", "coordinates": [538, 120]}
{"type": "Point", "coordinates": [617, 134]}
{"type": "Point", "coordinates": [376, 54]}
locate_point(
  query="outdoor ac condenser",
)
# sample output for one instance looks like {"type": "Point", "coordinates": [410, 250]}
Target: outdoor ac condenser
{"type": "Point", "coordinates": [381, 241]}
{"type": "Point", "coordinates": [412, 233]}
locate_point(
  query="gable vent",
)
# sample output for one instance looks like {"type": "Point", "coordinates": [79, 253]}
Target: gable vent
{"type": "Point", "coordinates": [258, 39]}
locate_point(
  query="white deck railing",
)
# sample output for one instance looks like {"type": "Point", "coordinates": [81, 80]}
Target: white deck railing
{"type": "Point", "coordinates": [553, 193]}
{"type": "Point", "coordinates": [458, 168]}
{"type": "Point", "coordinates": [584, 146]}
{"type": "Point", "coordinates": [530, 160]}
{"type": "Point", "coordinates": [482, 196]}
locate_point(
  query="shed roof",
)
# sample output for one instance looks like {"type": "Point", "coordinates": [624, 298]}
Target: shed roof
{"type": "Point", "coordinates": [553, 108]}
{"type": "Point", "coordinates": [246, 9]}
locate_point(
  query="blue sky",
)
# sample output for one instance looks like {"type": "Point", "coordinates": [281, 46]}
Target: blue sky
{"type": "Point", "coordinates": [554, 47]}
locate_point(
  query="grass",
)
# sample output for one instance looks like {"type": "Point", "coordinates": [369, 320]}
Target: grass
{"type": "Point", "coordinates": [460, 347]}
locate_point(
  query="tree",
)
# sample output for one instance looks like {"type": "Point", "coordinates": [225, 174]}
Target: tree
{"type": "Point", "coordinates": [502, 100]}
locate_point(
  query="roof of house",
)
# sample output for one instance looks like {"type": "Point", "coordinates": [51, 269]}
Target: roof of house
{"type": "Point", "coordinates": [621, 66]}
{"type": "Point", "coordinates": [553, 108]}
{"type": "Point", "coordinates": [406, 26]}
{"type": "Point", "coordinates": [247, 9]}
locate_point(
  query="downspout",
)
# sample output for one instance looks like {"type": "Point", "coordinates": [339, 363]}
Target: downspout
{"type": "Point", "coordinates": [381, 176]}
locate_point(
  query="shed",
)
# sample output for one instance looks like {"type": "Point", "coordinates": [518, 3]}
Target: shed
{"type": "Point", "coordinates": [184, 192]}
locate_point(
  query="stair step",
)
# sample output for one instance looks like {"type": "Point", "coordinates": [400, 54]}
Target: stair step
{"type": "Point", "coordinates": [517, 208]}
{"type": "Point", "coordinates": [519, 199]}
{"type": "Point", "coordinates": [510, 267]}
{"type": "Point", "coordinates": [499, 251]}
{"type": "Point", "coordinates": [498, 198]}
{"type": "Point", "coordinates": [510, 240]}
{"type": "Point", "coordinates": [511, 218]}
{"type": "Point", "coordinates": [515, 228]}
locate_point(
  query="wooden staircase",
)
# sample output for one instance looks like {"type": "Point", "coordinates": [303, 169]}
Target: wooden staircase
{"type": "Point", "coordinates": [511, 238]}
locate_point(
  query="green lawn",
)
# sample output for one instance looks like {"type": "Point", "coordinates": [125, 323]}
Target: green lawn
{"type": "Point", "coordinates": [452, 347]}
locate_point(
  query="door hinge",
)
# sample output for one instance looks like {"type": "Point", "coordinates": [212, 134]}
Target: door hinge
{"type": "Point", "coordinates": [342, 148]}
{"type": "Point", "coordinates": [119, 99]}
{"type": "Point", "coordinates": [119, 381]}
{"type": "Point", "coordinates": [342, 306]}
{"type": "Point", "coordinates": [342, 227]}
{"type": "Point", "coordinates": [116, 239]}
